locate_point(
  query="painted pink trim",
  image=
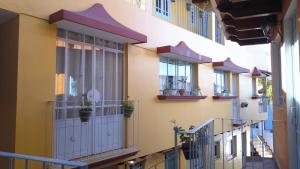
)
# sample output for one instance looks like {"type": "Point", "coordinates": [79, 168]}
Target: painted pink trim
{"type": "Point", "coordinates": [230, 66]}
{"type": "Point", "coordinates": [183, 50]}
{"type": "Point", "coordinates": [257, 73]}
{"type": "Point", "coordinates": [164, 97]}
{"type": "Point", "coordinates": [98, 18]}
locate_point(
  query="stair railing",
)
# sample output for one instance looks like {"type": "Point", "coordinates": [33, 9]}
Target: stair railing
{"type": "Point", "coordinates": [44, 161]}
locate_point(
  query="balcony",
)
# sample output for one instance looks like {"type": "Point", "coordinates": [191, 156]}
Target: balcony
{"type": "Point", "coordinates": [107, 134]}
{"type": "Point", "coordinates": [189, 16]}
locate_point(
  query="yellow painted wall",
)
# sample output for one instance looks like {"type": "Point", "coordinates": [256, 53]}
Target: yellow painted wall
{"type": "Point", "coordinates": [8, 85]}
{"type": "Point", "coordinates": [36, 70]}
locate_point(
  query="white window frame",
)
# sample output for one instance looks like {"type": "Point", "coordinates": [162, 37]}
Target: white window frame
{"type": "Point", "coordinates": [223, 76]}
{"type": "Point", "coordinates": [177, 86]}
{"type": "Point", "coordinates": [162, 8]}
{"type": "Point", "coordinates": [104, 49]}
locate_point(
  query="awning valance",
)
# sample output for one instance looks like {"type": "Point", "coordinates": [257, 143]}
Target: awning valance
{"type": "Point", "coordinates": [260, 73]}
{"type": "Point", "coordinates": [228, 65]}
{"type": "Point", "coordinates": [95, 20]}
{"type": "Point", "coordinates": [183, 52]}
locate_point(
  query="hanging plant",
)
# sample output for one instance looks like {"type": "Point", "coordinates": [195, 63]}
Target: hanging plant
{"type": "Point", "coordinates": [86, 110]}
{"type": "Point", "coordinates": [128, 108]}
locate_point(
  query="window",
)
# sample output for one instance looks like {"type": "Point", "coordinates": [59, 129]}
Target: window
{"type": "Point", "coordinates": [233, 146]}
{"type": "Point", "coordinates": [91, 66]}
{"type": "Point", "coordinates": [217, 150]}
{"type": "Point", "coordinates": [139, 4]}
{"type": "Point", "coordinates": [170, 160]}
{"type": "Point", "coordinates": [218, 32]}
{"type": "Point", "coordinates": [176, 74]}
{"type": "Point", "coordinates": [162, 8]}
{"type": "Point", "coordinates": [220, 82]}
{"type": "Point", "coordinates": [204, 24]}
{"type": "Point", "coordinates": [193, 14]}
{"type": "Point", "coordinates": [137, 166]}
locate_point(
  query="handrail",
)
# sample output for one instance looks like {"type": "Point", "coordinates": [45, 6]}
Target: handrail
{"type": "Point", "coordinates": [82, 165]}
{"type": "Point", "coordinates": [201, 125]}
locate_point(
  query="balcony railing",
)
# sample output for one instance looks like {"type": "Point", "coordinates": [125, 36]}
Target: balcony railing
{"type": "Point", "coordinates": [216, 143]}
{"type": "Point", "coordinates": [107, 130]}
{"type": "Point", "coordinates": [185, 15]}
{"type": "Point", "coordinates": [44, 162]}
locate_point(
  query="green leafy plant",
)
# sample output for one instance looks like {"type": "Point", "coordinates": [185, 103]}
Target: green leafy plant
{"type": "Point", "coordinates": [128, 107]}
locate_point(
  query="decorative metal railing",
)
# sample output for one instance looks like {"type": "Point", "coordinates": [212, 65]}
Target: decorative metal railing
{"type": "Point", "coordinates": [218, 144]}
{"type": "Point", "coordinates": [44, 162]}
{"type": "Point", "coordinates": [109, 127]}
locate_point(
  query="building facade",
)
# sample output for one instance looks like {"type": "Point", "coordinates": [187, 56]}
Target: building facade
{"type": "Point", "coordinates": [168, 59]}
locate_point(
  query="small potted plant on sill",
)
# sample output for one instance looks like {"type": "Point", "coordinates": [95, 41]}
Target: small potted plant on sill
{"type": "Point", "coordinates": [197, 91]}
{"type": "Point", "coordinates": [170, 92]}
{"type": "Point", "coordinates": [225, 93]}
{"type": "Point", "coordinates": [182, 90]}
{"type": "Point", "coordinates": [128, 107]}
{"type": "Point", "coordinates": [86, 110]}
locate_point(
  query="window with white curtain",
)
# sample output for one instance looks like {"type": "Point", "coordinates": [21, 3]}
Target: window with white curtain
{"type": "Point", "coordinates": [88, 65]}
{"type": "Point", "coordinates": [220, 81]}
{"type": "Point", "coordinates": [173, 72]}
{"type": "Point", "coordinates": [162, 8]}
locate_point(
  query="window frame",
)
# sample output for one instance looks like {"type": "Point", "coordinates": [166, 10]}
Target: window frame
{"type": "Point", "coordinates": [83, 44]}
{"type": "Point", "coordinates": [189, 87]}
{"type": "Point", "coordinates": [217, 150]}
{"type": "Point", "coordinates": [225, 85]}
{"type": "Point", "coordinates": [163, 8]}
{"type": "Point", "coordinates": [204, 24]}
{"type": "Point", "coordinates": [233, 147]}
{"type": "Point", "coordinates": [218, 32]}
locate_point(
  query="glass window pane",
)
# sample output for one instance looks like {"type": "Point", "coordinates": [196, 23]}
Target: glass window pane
{"type": "Point", "coordinates": [60, 72]}
{"type": "Point", "coordinates": [75, 36]}
{"type": "Point", "coordinates": [110, 76]}
{"type": "Point", "coordinates": [88, 75]}
{"type": "Point", "coordinates": [74, 73]}
{"type": "Point", "coordinates": [120, 76]}
{"type": "Point", "coordinates": [163, 69]}
{"type": "Point", "coordinates": [172, 74]}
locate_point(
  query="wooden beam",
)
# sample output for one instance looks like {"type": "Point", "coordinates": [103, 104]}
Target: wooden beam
{"type": "Point", "coordinates": [248, 34]}
{"type": "Point", "coordinates": [254, 41]}
{"type": "Point", "coordinates": [249, 23]}
{"type": "Point", "coordinates": [250, 8]}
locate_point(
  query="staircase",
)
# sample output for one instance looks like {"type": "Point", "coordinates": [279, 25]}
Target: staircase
{"type": "Point", "coordinates": [261, 147]}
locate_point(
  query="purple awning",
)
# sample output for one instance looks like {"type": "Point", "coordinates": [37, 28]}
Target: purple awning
{"type": "Point", "coordinates": [96, 20]}
{"type": "Point", "coordinates": [260, 73]}
{"type": "Point", "coordinates": [183, 52]}
{"type": "Point", "coordinates": [228, 65]}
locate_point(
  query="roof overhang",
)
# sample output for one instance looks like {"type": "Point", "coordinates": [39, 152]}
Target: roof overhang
{"type": "Point", "coordinates": [248, 22]}
{"type": "Point", "coordinates": [260, 73]}
{"type": "Point", "coordinates": [228, 65]}
{"type": "Point", "coordinates": [183, 52]}
{"type": "Point", "coordinates": [96, 21]}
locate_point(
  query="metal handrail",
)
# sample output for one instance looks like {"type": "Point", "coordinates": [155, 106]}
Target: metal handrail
{"type": "Point", "coordinates": [43, 160]}
{"type": "Point", "coordinates": [201, 125]}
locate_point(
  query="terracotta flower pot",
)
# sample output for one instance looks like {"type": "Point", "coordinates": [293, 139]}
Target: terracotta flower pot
{"type": "Point", "coordinates": [181, 92]}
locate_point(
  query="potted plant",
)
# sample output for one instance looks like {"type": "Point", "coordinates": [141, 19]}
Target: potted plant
{"type": "Point", "coordinates": [186, 142]}
{"type": "Point", "coordinates": [182, 90]}
{"type": "Point", "coordinates": [225, 92]}
{"type": "Point", "coordinates": [86, 110]}
{"type": "Point", "coordinates": [128, 108]}
{"type": "Point", "coordinates": [170, 91]}
{"type": "Point", "coordinates": [197, 91]}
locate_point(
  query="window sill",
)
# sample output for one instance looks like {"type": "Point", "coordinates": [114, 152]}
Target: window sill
{"type": "Point", "coordinates": [256, 97]}
{"type": "Point", "coordinates": [224, 97]}
{"type": "Point", "coordinates": [164, 97]}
